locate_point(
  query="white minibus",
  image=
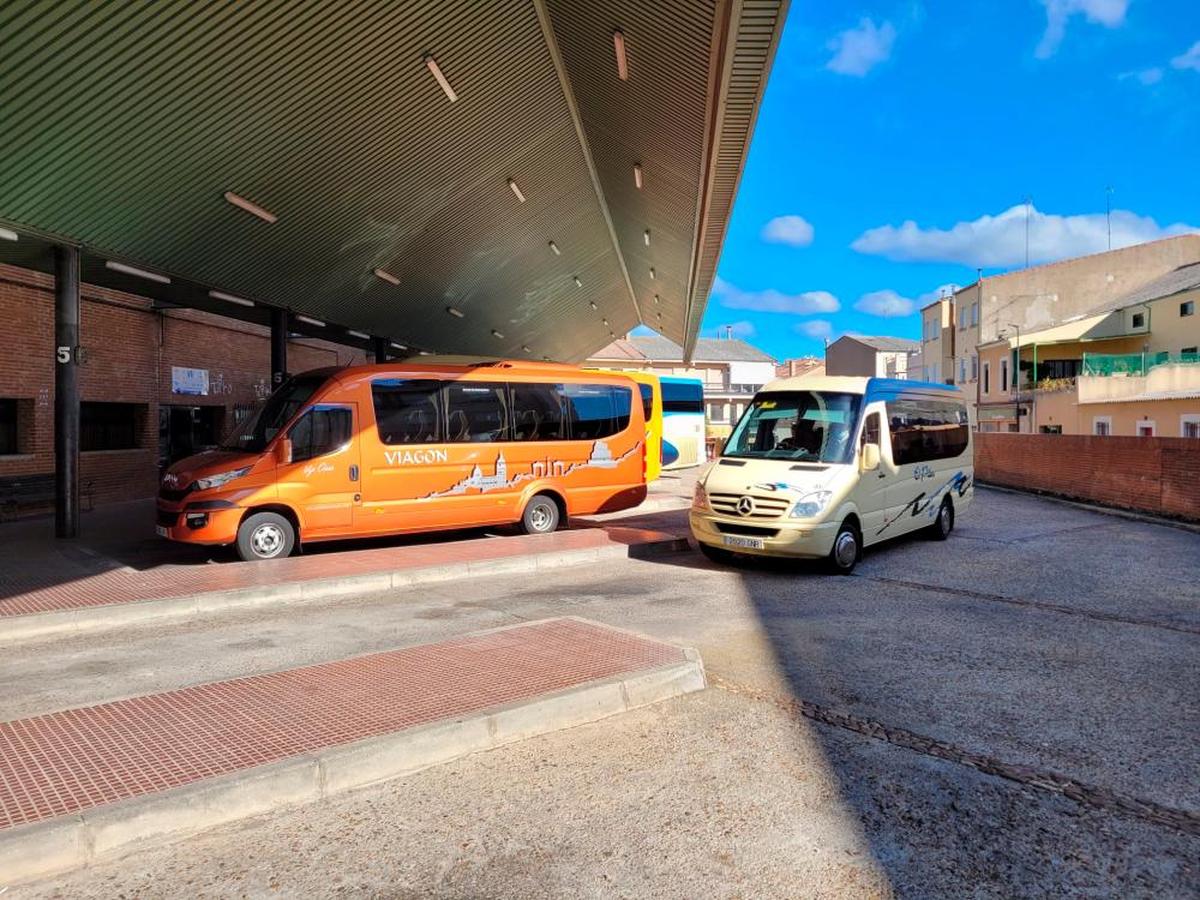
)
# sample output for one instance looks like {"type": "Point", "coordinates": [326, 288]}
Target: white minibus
{"type": "Point", "coordinates": [821, 467]}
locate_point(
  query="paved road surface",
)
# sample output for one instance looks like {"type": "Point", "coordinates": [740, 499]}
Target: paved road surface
{"type": "Point", "coordinates": [1011, 713]}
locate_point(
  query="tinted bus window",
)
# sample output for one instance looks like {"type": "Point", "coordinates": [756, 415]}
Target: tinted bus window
{"type": "Point", "coordinates": [924, 430]}
{"type": "Point", "coordinates": [597, 410]}
{"type": "Point", "coordinates": [647, 393]}
{"type": "Point", "coordinates": [407, 412]}
{"type": "Point", "coordinates": [685, 398]}
{"type": "Point", "coordinates": [537, 413]}
{"type": "Point", "coordinates": [476, 412]}
{"type": "Point", "coordinates": [321, 430]}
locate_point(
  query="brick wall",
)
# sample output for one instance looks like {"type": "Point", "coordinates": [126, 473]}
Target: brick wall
{"type": "Point", "coordinates": [129, 351]}
{"type": "Point", "coordinates": [1156, 475]}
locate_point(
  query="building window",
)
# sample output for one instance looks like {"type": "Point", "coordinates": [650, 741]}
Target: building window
{"type": "Point", "coordinates": [8, 427]}
{"type": "Point", "coordinates": [1189, 425]}
{"type": "Point", "coordinates": [1145, 428]}
{"type": "Point", "coordinates": [1138, 320]}
{"type": "Point", "coordinates": [974, 314]}
{"type": "Point", "coordinates": [962, 371]}
{"type": "Point", "coordinates": [1102, 426]}
{"type": "Point", "coordinates": [974, 368]}
{"type": "Point", "coordinates": [1004, 376]}
{"type": "Point", "coordinates": [110, 426]}
{"type": "Point", "coordinates": [987, 378]}
{"type": "Point", "coordinates": [1187, 308]}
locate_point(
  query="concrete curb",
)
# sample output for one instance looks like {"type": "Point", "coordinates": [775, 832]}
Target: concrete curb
{"type": "Point", "coordinates": [70, 842]}
{"type": "Point", "coordinates": [116, 615]}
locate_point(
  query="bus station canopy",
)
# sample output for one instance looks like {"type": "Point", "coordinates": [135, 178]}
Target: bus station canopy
{"type": "Point", "coordinates": [521, 178]}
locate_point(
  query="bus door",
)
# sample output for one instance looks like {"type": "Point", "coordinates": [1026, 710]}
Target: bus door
{"type": "Point", "coordinates": [323, 479]}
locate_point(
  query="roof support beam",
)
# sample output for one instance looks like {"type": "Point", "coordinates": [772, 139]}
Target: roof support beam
{"type": "Point", "coordinates": [569, 95]}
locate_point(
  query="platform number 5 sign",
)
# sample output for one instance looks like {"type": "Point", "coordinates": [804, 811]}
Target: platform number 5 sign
{"type": "Point", "coordinates": [63, 355]}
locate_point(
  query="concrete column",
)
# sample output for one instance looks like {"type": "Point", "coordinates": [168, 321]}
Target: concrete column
{"type": "Point", "coordinates": [66, 392]}
{"type": "Point", "coordinates": [279, 344]}
{"type": "Point", "coordinates": [380, 347]}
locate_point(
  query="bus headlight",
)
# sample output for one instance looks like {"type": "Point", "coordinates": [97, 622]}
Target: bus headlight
{"type": "Point", "coordinates": [216, 481]}
{"type": "Point", "coordinates": [811, 504]}
{"type": "Point", "coordinates": [699, 497]}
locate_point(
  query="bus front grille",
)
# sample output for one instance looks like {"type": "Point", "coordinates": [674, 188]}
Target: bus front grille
{"type": "Point", "coordinates": [764, 507]}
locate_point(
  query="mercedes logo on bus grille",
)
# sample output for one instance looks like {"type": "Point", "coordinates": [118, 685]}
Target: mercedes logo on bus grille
{"type": "Point", "coordinates": [745, 506]}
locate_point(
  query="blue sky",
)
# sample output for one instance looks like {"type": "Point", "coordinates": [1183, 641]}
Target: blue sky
{"type": "Point", "coordinates": [926, 114]}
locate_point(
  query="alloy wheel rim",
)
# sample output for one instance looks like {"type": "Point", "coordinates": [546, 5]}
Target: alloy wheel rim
{"type": "Point", "coordinates": [267, 540]}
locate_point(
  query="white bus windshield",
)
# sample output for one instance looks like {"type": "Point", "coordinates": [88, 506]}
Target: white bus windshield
{"type": "Point", "coordinates": [801, 426]}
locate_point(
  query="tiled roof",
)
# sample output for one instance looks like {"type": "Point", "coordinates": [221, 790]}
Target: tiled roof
{"type": "Point", "coordinates": [1185, 278]}
{"type": "Point", "coordinates": [659, 348]}
{"type": "Point", "coordinates": [885, 344]}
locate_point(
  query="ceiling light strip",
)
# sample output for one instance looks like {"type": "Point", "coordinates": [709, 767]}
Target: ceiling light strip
{"type": "Point", "coordinates": [309, 320]}
{"type": "Point", "coordinates": [516, 190]}
{"type": "Point", "coordinates": [385, 275]}
{"type": "Point", "coordinates": [136, 273]}
{"type": "Point", "coordinates": [230, 298]}
{"type": "Point", "coordinates": [637, 176]}
{"type": "Point", "coordinates": [8, 234]}
{"type": "Point", "coordinates": [454, 311]}
{"type": "Point", "coordinates": [436, 71]}
{"type": "Point", "coordinates": [359, 334]}
{"type": "Point", "coordinates": [622, 61]}
{"type": "Point", "coordinates": [251, 207]}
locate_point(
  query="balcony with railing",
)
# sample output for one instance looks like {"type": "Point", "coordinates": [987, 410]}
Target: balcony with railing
{"type": "Point", "coordinates": [1111, 377]}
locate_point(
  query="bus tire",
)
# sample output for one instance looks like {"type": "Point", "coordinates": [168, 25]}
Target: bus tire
{"type": "Point", "coordinates": [944, 523]}
{"type": "Point", "coordinates": [846, 551]}
{"type": "Point", "coordinates": [265, 535]}
{"type": "Point", "coordinates": [541, 515]}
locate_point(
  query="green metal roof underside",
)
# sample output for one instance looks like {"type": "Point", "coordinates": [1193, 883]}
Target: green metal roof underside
{"type": "Point", "coordinates": [126, 123]}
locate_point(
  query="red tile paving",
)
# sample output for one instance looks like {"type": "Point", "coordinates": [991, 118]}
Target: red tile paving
{"type": "Point", "coordinates": [38, 578]}
{"type": "Point", "coordinates": [64, 762]}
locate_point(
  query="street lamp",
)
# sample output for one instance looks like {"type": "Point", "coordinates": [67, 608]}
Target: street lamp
{"type": "Point", "coordinates": [1017, 372]}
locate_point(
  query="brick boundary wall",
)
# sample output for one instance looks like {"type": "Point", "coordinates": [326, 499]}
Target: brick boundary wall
{"type": "Point", "coordinates": [1154, 475]}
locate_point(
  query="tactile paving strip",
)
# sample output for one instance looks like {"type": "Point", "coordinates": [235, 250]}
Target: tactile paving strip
{"type": "Point", "coordinates": [68, 761]}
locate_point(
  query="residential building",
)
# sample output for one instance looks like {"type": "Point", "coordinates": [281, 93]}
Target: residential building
{"type": "Point", "coordinates": [803, 365]}
{"type": "Point", "coordinates": [937, 341]}
{"type": "Point", "coordinates": [1128, 366]}
{"type": "Point", "coordinates": [871, 357]}
{"type": "Point", "coordinates": [731, 370]}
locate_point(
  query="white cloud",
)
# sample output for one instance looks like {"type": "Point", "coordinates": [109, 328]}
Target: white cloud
{"type": "Point", "coordinates": [999, 241]}
{"type": "Point", "coordinates": [1145, 77]}
{"type": "Point", "coordinates": [815, 328]}
{"type": "Point", "coordinates": [887, 304]}
{"type": "Point", "coordinates": [1188, 60]}
{"type": "Point", "coordinates": [1109, 13]}
{"type": "Point", "coordinates": [856, 51]}
{"type": "Point", "coordinates": [733, 297]}
{"type": "Point", "coordinates": [794, 231]}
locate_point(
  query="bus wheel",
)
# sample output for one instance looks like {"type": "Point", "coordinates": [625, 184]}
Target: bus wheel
{"type": "Point", "coordinates": [265, 535]}
{"type": "Point", "coordinates": [944, 523]}
{"type": "Point", "coordinates": [847, 549]}
{"type": "Point", "coordinates": [541, 515]}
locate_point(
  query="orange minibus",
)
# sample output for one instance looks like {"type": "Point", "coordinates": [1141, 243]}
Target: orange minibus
{"type": "Point", "coordinates": [395, 448]}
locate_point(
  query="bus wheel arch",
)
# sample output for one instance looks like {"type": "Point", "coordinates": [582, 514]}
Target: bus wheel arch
{"type": "Point", "coordinates": [545, 511]}
{"type": "Point", "coordinates": [271, 531]}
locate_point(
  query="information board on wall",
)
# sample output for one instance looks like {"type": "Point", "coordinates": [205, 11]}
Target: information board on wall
{"type": "Point", "coordinates": [191, 382]}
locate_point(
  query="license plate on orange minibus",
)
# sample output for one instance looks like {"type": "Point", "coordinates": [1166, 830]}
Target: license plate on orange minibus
{"type": "Point", "coordinates": [161, 531]}
{"type": "Point", "coordinates": [746, 543]}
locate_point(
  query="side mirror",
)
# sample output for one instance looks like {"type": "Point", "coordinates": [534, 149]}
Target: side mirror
{"type": "Point", "coordinates": [870, 457]}
{"type": "Point", "coordinates": [283, 451]}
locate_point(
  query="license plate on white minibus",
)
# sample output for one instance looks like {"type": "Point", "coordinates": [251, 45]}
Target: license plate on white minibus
{"type": "Point", "coordinates": [161, 531]}
{"type": "Point", "coordinates": [744, 542]}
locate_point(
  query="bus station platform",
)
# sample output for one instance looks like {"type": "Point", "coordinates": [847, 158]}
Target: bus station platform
{"type": "Point", "coordinates": [81, 784]}
{"type": "Point", "coordinates": [119, 574]}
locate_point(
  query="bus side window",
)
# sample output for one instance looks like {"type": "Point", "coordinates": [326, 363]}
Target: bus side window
{"type": "Point", "coordinates": [407, 412]}
{"type": "Point", "coordinates": [321, 430]}
{"type": "Point", "coordinates": [476, 412]}
{"type": "Point", "coordinates": [537, 413]}
{"type": "Point", "coordinates": [597, 410]}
